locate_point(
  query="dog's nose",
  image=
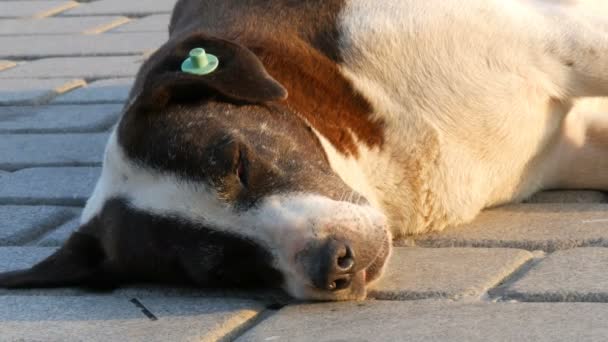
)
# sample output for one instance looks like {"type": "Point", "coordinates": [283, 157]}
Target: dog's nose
{"type": "Point", "coordinates": [335, 266]}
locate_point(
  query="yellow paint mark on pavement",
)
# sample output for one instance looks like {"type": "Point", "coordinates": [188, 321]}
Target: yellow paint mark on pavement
{"type": "Point", "coordinates": [69, 86]}
{"type": "Point", "coordinates": [56, 10]}
{"type": "Point", "coordinates": [108, 26]}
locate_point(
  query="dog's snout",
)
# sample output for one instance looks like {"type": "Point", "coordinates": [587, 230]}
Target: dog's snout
{"type": "Point", "coordinates": [336, 262]}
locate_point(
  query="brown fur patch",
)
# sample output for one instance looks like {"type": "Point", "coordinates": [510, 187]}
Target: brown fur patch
{"type": "Point", "coordinates": [320, 94]}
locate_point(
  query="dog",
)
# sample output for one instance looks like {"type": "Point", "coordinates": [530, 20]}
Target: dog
{"type": "Point", "coordinates": [330, 128]}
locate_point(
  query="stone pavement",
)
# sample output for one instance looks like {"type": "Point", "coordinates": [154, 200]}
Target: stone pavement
{"type": "Point", "coordinates": [536, 271]}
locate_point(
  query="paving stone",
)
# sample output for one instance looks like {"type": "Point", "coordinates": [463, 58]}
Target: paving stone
{"type": "Point", "coordinates": [58, 119]}
{"type": "Point", "coordinates": [102, 318]}
{"type": "Point", "coordinates": [85, 67]}
{"type": "Point", "coordinates": [546, 227]}
{"type": "Point", "coordinates": [23, 91]}
{"type": "Point", "coordinates": [21, 8]}
{"type": "Point", "coordinates": [454, 273]}
{"type": "Point", "coordinates": [120, 7]}
{"type": "Point", "coordinates": [18, 151]}
{"type": "Point", "coordinates": [55, 25]}
{"type": "Point", "coordinates": [49, 186]}
{"type": "Point", "coordinates": [59, 235]}
{"type": "Point", "coordinates": [434, 321]}
{"type": "Point", "coordinates": [576, 275]}
{"type": "Point", "coordinates": [104, 91]}
{"type": "Point", "coordinates": [569, 197]}
{"type": "Point", "coordinates": [21, 224]}
{"type": "Point", "coordinates": [81, 45]}
{"type": "Point", "coordinates": [158, 22]}
{"type": "Point", "coordinates": [17, 258]}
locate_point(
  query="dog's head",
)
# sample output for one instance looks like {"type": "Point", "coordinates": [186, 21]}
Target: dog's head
{"type": "Point", "coordinates": [214, 180]}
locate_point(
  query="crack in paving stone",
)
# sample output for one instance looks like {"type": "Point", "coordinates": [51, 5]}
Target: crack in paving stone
{"type": "Point", "coordinates": [144, 310]}
{"type": "Point", "coordinates": [271, 310]}
{"type": "Point", "coordinates": [498, 292]}
{"type": "Point", "coordinates": [30, 237]}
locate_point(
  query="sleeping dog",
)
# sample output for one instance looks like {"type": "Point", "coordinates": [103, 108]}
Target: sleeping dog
{"type": "Point", "coordinates": [329, 128]}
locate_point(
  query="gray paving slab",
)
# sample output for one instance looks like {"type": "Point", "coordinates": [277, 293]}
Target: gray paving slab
{"type": "Point", "coordinates": [81, 45]}
{"type": "Point", "coordinates": [103, 91]}
{"type": "Point", "coordinates": [58, 119]}
{"type": "Point", "coordinates": [454, 273]}
{"type": "Point", "coordinates": [49, 186]}
{"type": "Point", "coordinates": [82, 67]}
{"type": "Point", "coordinates": [18, 151]}
{"type": "Point", "coordinates": [105, 318]}
{"type": "Point", "coordinates": [22, 8]}
{"type": "Point", "coordinates": [569, 197]}
{"type": "Point", "coordinates": [17, 258]}
{"type": "Point", "coordinates": [58, 236]}
{"type": "Point", "coordinates": [34, 92]}
{"type": "Point", "coordinates": [546, 227]}
{"type": "Point", "coordinates": [159, 22]}
{"type": "Point", "coordinates": [119, 7]}
{"type": "Point", "coordinates": [22, 224]}
{"type": "Point", "coordinates": [434, 321]}
{"type": "Point", "coordinates": [575, 275]}
{"type": "Point", "coordinates": [53, 25]}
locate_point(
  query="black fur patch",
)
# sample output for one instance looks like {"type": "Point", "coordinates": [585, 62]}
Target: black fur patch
{"type": "Point", "coordinates": [124, 245]}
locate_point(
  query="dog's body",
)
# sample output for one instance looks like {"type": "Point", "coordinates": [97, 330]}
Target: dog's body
{"type": "Point", "coordinates": [467, 98]}
{"type": "Point", "coordinates": [329, 126]}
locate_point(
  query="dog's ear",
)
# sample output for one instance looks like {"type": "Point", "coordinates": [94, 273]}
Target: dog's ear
{"type": "Point", "coordinates": [239, 77]}
{"type": "Point", "coordinates": [80, 261]}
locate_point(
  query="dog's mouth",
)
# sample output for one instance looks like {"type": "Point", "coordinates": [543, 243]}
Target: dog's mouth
{"type": "Point", "coordinates": [375, 270]}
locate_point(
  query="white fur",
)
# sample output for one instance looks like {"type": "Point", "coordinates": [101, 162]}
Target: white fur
{"type": "Point", "coordinates": [471, 92]}
{"type": "Point", "coordinates": [282, 223]}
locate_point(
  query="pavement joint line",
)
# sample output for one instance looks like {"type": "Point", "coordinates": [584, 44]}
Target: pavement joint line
{"type": "Point", "coordinates": [61, 202]}
{"type": "Point", "coordinates": [35, 236]}
{"type": "Point", "coordinates": [54, 11]}
{"type": "Point", "coordinates": [75, 102]}
{"type": "Point", "coordinates": [596, 221]}
{"type": "Point", "coordinates": [145, 53]}
{"type": "Point", "coordinates": [20, 166]}
{"type": "Point", "coordinates": [552, 298]}
{"type": "Point", "coordinates": [108, 26]}
{"type": "Point", "coordinates": [550, 246]}
{"type": "Point", "coordinates": [39, 237]}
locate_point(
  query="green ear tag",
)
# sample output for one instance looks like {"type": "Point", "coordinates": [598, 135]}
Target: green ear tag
{"type": "Point", "coordinates": [200, 62]}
